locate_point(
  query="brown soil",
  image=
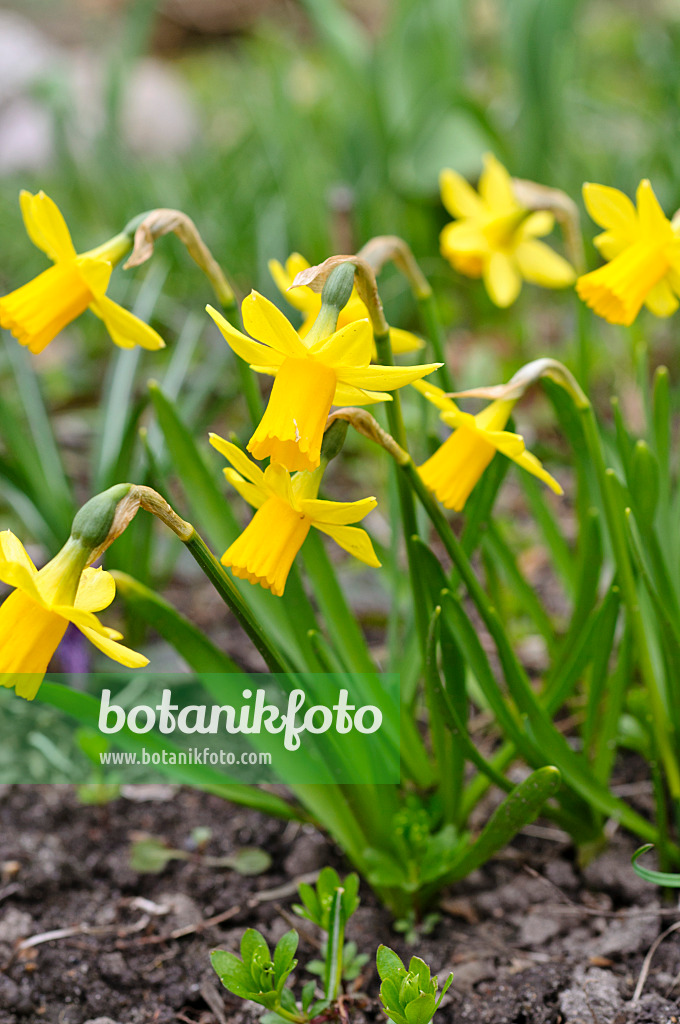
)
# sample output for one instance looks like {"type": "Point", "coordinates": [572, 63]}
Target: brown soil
{"type": "Point", "coordinates": [531, 939]}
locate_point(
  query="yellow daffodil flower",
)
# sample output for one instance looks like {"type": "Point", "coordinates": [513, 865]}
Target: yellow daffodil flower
{"type": "Point", "coordinates": [494, 237]}
{"type": "Point", "coordinates": [309, 304]}
{"type": "Point", "coordinates": [454, 469]}
{"type": "Point", "coordinates": [36, 312]}
{"type": "Point", "coordinates": [643, 250]}
{"type": "Point", "coordinates": [287, 506]}
{"type": "Point", "coordinates": [33, 619]}
{"type": "Point", "coordinates": [311, 374]}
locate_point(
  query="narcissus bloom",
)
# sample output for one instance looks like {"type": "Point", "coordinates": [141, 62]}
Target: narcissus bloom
{"type": "Point", "coordinates": [643, 250]}
{"type": "Point", "coordinates": [33, 619]}
{"type": "Point", "coordinates": [36, 312]}
{"type": "Point", "coordinates": [287, 506]}
{"type": "Point", "coordinates": [454, 469]}
{"type": "Point", "coordinates": [311, 374]}
{"type": "Point", "coordinates": [309, 304]}
{"type": "Point", "coordinates": [495, 237]}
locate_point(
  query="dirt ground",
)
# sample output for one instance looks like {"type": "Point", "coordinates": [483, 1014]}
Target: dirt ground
{"type": "Point", "coordinates": [530, 939]}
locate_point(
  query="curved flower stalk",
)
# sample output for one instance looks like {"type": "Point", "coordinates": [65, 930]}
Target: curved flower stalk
{"type": "Point", "coordinates": [455, 468]}
{"type": "Point", "coordinates": [308, 303]}
{"type": "Point", "coordinates": [287, 506]}
{"type": "Point", "coordinates": [33, 619]}
{"type": "Point", "coordinates": [327, 367]}
{"type": "Point", "coordinates": [39, 310]}
{"type": "Point", "coordinates": [643, 250]}
{"type": "Point", "coordinates": [496, 238]}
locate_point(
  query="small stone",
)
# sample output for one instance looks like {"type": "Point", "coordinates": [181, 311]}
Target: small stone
{"type": "Point", "coordinates": [15, 924]}
{"type": "Point", "coordinates": [113, 968]}
{"type": "Point", "coordinates": [309, 853]}
{"type": "Point", "coordinates": [467, 975]}
{"type": "Point", "coordinates": [182, 910]}
{"type": "Point", "coordinates": [536, 928]}
{"type": "Point", "coordinates": [593, 995]}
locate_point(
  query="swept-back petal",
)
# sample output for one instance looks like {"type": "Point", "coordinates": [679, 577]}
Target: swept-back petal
{"type": "Point", "coordinates": [652, 218]}
{"type": "Point", "coordinates": [266, 322]}
{"type": "Point", "coordinates": [12, 550]}
{"type": "Point", "coordinates": [611, 209]}
{"type": "Point", "coordinates": [84, 620]}
{"type": "Point", "coordinates": [387, 378]}
{"type": "Point", "coordinates": [19, 575]}
{"type": "Point", "coordinates": [435, 395]}
{"type": "Point", "coordinates": [495, 186]}
{"type": "Point", "coordinates": [255, 496]}
{"type": "Point", "coordinates": [458, 196]}
{"type": "Point", "coordinates": [96, 590]}
{"type": "Point", "coordinates": [301, 298]}
{"type": "Point", "coordinates": [502, 279]}
{"type": "Point", "coordinates": [126, 329]}
{"type": "Point", "coordinates": [345, 394]}
{"type": "Point", "coordinates": [530, 463]}
{"type": "Point", "coordinates": [404, 341]}
{"type": "Point", "coordinates": [537, 224]}
{"type": "Point", "coordinates": [45, 226]}
{"type": "Point", "coordinates": [352, 539]}
{"type": "Point", "coordinates": [542, 265]}
{"type": "Point", "coordinates": [118, 652]}
{"type": "Point", "coordinates": [351, 346]}
{"type": "Point", "coordinates": [464, 237]}
{"type": "Point", "coordinates": [239, 460]}
{"type": "Point", "coordinates": [243, 346]}
{"type": "Point", "coordinates": [338, 513]}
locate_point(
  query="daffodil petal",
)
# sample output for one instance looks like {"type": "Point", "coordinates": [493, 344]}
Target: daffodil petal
{"type": "Point", "coordinates": [243, 346]}
{"type": "Point", "coordinates": [531, 464]}
{"type": "Point", "coordinates": [239, 460]}
{"type": "Point", "coordinates": [505, 442]}
{"type": "Point", "coordinates": [609, 244]}
{"type": "Point", "coordinates": [96, 590]}
{"type": "Point", "coordinates": [255, 496]}
{"type": "Point", "coordinates": [541, 265]}
{"type": "Point", "coordinates": [652, 218]}
{"type": "Point", "coordinates": [345, 394]}
{"type": "Point", "coordinates": [352, 539]}
{"type": "Point", "coordinates": [351, 346]}
{"type": "Point", "coordinates": [502, 279]}
{"type": "Point", "coordinates": [83, 619]}
{"type": "Point", "coordinates": [118, 652]}
{"type": "Point", "coordinates": [611, 209]}
{"type": "Point", "coordinates": [17, 574]}
{"type": "Point", "coordinates": [660, 300]}
{"type": "Point", "coordinates": [495, 186]}
{"type": "Point", "coordinates": [45, 226]}
{"type": "Point", "coordinates": [404, 341]}
{"type": "Point", "coordinates": [126, 329]}
{"type": "Point", "coordinates": [301, 298]}
{"type": "Point", "coordinates": [537, 224]}
{"type": "Point", "coordinates": [436, 395]}
{"type": "Point", "coordinates": [458, 196]}
{"type": "Point", "coordinates": [266, 322]}
{"type": "Point", "coordinates": [12, 550]}
{"type": "Point", "coordinates": [387, 378]}
{"type": "Point", "coordinates": [338, 513]}
{"type": "Point", "coordinates": [464, 237]}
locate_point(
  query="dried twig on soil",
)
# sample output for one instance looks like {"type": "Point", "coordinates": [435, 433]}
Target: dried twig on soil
{"type": "Point", "coordinates": [646, 963]}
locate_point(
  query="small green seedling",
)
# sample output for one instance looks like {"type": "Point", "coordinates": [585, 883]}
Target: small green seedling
{"type": "Point", "coordinates": [330, 906]}
{"type": "Point", "coordinates": [408, 996]}
{"type": "Point", "coordinates": [262, 978]}
{"type": "Point", "coordinates": [150, 855]}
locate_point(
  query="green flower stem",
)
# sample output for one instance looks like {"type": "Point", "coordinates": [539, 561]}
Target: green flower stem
{"type": "Point", "coordinates": [427, 305]}
{"type": "Point", "coordinates": [246, 376]}
{"type": "Point", "coordinates": [225, 587]}
{"type": "Point", "coordinates": [626, 576]}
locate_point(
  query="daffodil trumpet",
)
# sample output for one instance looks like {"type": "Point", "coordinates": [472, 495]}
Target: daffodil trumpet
{"type": "Point", "coordinates": [327, 367]}
{"type": "Point", "coordinates": [35, 615]}
{"type": "Point", "coordinates": [454, 469]}
{"type": "Point", "coordinates": [642, 248]}
{"type": "Point", "coordinates": [495, 237]}
{"type": "Point", "coordinates": [287, 507]}
{"type": "Point", "coordinates": [39, 310]}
